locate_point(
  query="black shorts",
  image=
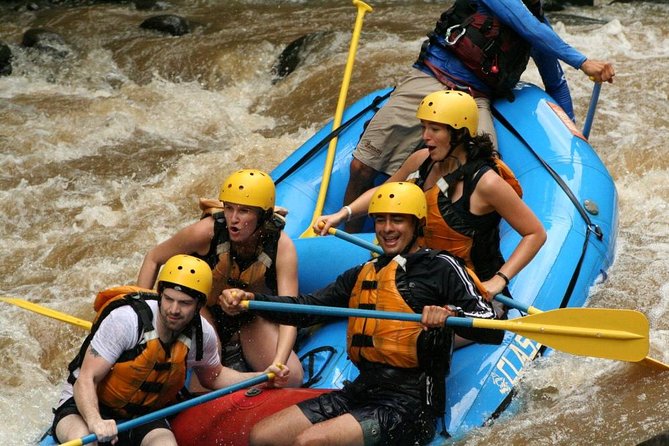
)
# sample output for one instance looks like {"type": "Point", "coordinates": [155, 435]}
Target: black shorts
{"type": "Point", "coordinates": [132, 437]}
{"type": "Point", "coordinates": [387, 414]}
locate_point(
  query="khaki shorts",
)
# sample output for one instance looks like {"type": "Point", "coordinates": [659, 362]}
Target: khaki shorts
{"type": "Point", "coordinates": [395, 132]}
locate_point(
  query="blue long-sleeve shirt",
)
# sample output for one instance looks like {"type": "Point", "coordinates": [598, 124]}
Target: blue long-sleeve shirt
{"type": "Point", "coordinates": [547, 48]}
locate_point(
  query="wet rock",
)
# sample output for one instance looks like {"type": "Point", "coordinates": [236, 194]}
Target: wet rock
{"type": "Point", "coordinates": [575, 20]}
{"type": "Point", "coordinates": [661, 439]}
{"type": "Point", "coordinates": [5, 60]}
{"type": "Point", "coordinates": [147, 5]}
{"type": "Point", "coordinates": [294, 53]}
{"type": "Point", "coordinates": [46, 41]}
{"type": "Point", "coordinates": [559, 5]}
{"type": "Point", "coordinates": [167, 23]}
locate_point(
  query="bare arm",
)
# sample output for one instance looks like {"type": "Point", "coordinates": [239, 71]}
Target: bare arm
{"type": "Point", "coordinates": [287, 284]}
{"type": "Point", "coordinates": [93, 369]}
{"type": "Point", "coordinates": [218, 377]}
{"type": "Point", "coordinates": [194, 238]}
{"type": "Point", "coordinates": [493, 193]}
{"type": "Point", "coordinates": [360, 205]}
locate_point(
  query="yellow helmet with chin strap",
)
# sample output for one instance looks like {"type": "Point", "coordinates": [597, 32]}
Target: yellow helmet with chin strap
{"type": "Point", "coordinates": [250, 187]}
{"type": "Point", "coordinates": [450, 107]}
{"type": "Point", "coordinates": [188, 274]}
{"type": "Point", "coordinates": [399, 198]}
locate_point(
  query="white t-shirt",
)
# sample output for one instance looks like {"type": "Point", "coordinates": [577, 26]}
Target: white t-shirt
{"type": "Point", "coordinates": [118, 333]}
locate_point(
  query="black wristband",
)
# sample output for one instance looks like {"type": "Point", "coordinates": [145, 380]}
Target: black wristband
{"type": "Point", "coordinates": [503, 276]}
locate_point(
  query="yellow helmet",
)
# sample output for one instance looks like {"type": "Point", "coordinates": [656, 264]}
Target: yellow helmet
{"type": "Point", "coordinates": [249, 187]}
{"type": "Point", "coordinates": [450, 107]}
{"type": "Point", "coordinates": [399, 198]}
{"type": "Point", "coordinates": [188, 274]}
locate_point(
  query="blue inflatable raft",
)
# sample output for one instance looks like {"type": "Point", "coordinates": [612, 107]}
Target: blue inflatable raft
{"type": "Point", "coordinates": [565, 184]}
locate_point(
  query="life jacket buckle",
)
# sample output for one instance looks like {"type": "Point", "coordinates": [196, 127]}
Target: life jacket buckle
{"type": "Point", "coordinates": [450, 30]}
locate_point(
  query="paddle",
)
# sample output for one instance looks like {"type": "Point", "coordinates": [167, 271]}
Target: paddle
{"type": "Point", "coordinates": [341, 103]}
{"type": "Point", "coordinates": [598, 332]}
{"type": "Point", "coordinates": [647, 361]}
{"type": "Point", "coordinates": [511, 303]}
{"type": "Point", "coordinates": [47, 312]}
{"type": "Point", "coordinates": [589, 118]}
{"type": "Point", "coordinates": [171, 410]}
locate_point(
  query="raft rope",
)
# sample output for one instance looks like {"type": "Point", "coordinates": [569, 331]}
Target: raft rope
{"type": "Point", "coordinates": [590, 226]}
{"type": "Point", "coordinates": [335, 133]}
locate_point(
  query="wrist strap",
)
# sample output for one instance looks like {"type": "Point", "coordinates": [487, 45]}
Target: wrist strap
{"type": "Point", "coordinates": [350, 212]}
{"type": "Point", "coordinates": [503, 276]}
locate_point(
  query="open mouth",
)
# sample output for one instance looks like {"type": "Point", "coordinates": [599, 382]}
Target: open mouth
{"type": "Point", "coordinates": [390, 241]}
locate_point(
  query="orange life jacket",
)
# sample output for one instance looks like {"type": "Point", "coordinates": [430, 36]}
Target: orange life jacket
{"type": "Point", "coordinates": [377, 340]}
{"type": "Point", "coordinates": [226, 274]}
{"type": "Point", "coordinates": [146, 377]}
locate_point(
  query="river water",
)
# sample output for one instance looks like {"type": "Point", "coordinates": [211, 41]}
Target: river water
{"type": "Point", "coordinates": [105, 150]}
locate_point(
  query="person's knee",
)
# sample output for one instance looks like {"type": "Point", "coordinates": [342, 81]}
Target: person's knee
{"type": "Point", "coordinates": [296, 371]}
{"type": "Point", "coordinates": [159, 437]}
{"type": "Point", "coordinates": [70, 427]}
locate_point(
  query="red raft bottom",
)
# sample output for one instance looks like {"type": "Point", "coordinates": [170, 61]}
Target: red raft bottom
{"type": "Point", "coordinates": [228, 420]}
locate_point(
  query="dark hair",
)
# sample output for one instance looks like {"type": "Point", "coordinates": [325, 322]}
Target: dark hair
{"type": "Point", "coordinates": [478, 147]}
{"type": "Point", "coordinates": [200, 297]}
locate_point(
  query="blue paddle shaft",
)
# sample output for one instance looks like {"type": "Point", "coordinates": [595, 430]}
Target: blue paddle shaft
{"type": "Point", "coordinates": [176, 408]}
{"type": "Point", "coordinates": [356, 240]}
{"type": "Point", "coordinates": [591, 109]}
{"type": "Point", "coordinates": [349, 312]}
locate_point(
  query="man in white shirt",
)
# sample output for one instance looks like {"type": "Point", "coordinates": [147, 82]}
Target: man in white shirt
{"type": "Point", "coordinates": [137, 355]}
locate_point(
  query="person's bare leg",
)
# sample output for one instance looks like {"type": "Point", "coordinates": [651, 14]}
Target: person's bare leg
{"type": "Point", "coordinates": [159, 437]}
{"type": "Point", "coordinates": [343, 430]}
{"type": "Point", "coordinates": [71, 427]}
{"type": "Point", "coordinates": [259, 340]}
{"type": "Point", "coordinates": [280, 429]}
{"type": "Point", "coordinates": [486, 124]}
{"type": "Point", "coordinates": [361, 179]}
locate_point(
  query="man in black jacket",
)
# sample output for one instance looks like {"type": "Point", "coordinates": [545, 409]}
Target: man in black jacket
{"type": "Point", "coordinates": [403, 365]}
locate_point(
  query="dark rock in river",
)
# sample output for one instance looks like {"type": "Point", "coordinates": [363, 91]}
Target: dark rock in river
{"type": "Point", "coordinates": [146, 5]}
{"type": "Point", "coordinates": [46, 41]}
{"type": "Point", "coordinates": [661, 439]}
{"type": "Point", "coordinates": [167, 23]}
{"type": "Point", "coordinates": [5, 60]}
{"type": "Point", "coordinates": [294, 53]}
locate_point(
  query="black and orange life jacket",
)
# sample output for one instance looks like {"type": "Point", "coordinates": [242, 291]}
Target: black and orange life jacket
{"type": "Point", "coordinates": [260, 275]}
{"type": "Point", "coordinates": [146, 377]}
{"type": "Point", "coordinates": [451, 227]}
{"type": "Point", "coordinates": [381, 341]}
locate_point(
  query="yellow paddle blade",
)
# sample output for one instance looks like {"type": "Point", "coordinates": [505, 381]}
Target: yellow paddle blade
{"type": "Point", "coordinates": [648, 362]}
{"type": "Point", "coordinates": [44, 311]}
{"type": "Point", "coordinates": [653, 363]}
{"type": "Point", "coordinates": [598, 332]}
